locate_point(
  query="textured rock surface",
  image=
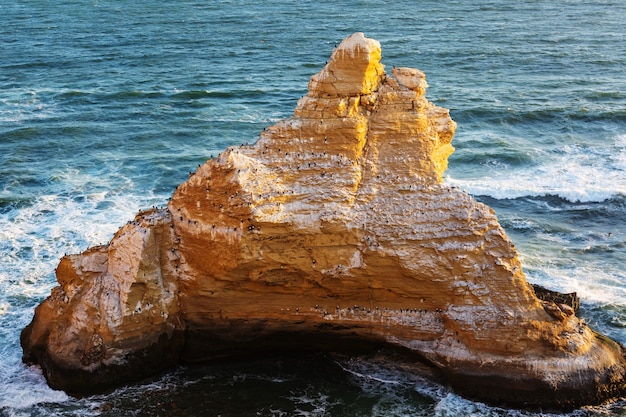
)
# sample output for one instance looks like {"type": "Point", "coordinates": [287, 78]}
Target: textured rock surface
{"type": "Point", "coordinates": [334, 231]}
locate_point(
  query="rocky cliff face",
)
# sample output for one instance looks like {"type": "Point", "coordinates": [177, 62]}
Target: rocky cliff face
{"type": "Point", "coordinates": [333, 231]}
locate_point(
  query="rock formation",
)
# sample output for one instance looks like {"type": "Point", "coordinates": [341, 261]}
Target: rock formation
{"type": "Point", "coordinates": [333, 231]}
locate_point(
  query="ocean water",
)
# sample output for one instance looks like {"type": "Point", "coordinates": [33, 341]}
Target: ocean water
{"type": "Point", "coordinates": [106, 106]}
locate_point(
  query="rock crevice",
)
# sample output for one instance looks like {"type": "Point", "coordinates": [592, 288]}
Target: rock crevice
{"type": "Point", "coordinates": [333, 231]}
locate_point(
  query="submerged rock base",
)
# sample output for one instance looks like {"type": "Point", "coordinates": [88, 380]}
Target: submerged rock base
{"type": "Point", "coordinates": [333, 231]}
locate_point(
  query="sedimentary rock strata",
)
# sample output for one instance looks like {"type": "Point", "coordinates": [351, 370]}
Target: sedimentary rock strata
{"type": "Point", "coordinates": [333, 231]}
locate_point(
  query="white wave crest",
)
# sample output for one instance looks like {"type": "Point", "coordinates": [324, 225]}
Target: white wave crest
{"type": "Point", "coordinates": [576, 173]}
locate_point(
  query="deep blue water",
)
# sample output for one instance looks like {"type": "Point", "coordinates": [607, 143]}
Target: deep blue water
{"type": "Point", "coordinates": [105, 106]}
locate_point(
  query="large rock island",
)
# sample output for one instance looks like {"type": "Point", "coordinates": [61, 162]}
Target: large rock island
{"type": "Point", "coordinates": [333, 231]}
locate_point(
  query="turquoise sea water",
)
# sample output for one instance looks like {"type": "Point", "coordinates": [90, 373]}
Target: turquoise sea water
{"type": "Point", "coordinates": [106, 106]}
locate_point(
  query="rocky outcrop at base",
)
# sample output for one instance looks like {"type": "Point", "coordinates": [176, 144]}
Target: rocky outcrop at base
{"type": "Point", "coordinates": [333, 231]}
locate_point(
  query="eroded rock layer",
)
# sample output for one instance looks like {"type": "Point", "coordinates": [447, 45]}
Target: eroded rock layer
{"type": "Point", "coordinates": [333, 231]}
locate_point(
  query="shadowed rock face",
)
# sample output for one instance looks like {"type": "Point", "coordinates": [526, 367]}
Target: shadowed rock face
{"type": "Point", "coordinates": [333, 231]}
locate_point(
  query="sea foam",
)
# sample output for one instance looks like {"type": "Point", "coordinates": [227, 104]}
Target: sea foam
{"type": "Point", "coordinates": [576, 173]}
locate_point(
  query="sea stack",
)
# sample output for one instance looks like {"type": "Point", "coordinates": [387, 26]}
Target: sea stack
{"type": "Point", "coordinates": [333, 231]}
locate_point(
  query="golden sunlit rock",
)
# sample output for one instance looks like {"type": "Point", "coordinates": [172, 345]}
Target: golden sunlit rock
{"type": "Point", "coordinates": [333, 231]}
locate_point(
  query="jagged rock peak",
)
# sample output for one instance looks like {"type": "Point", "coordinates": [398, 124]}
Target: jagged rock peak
{"type": "Point", "coordinates": [354, 69]}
